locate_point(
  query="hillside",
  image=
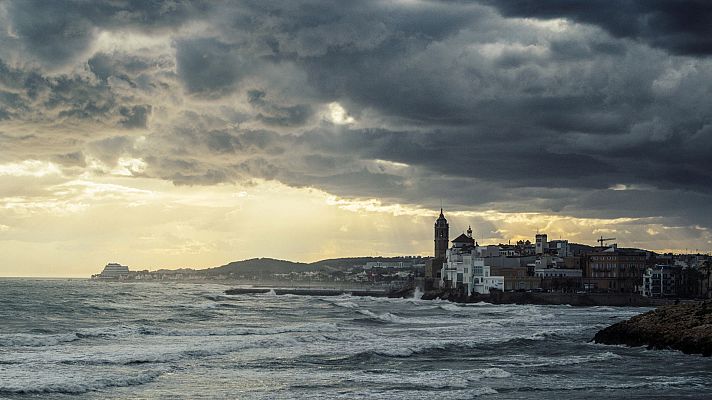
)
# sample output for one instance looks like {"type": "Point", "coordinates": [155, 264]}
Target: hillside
{"type": "Point", "coordinates": [341, 263]}
{"type": "Point", "coordinates": [261, 265]}
{"type": "Point", "coordinates": [275, 266]}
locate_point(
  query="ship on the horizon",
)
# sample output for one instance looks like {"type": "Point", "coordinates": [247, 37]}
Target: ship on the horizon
{"type": "Point", "coordinates": [113, 271]}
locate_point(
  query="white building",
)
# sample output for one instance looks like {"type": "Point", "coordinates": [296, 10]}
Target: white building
{"type": "Point", "coordinates": [659, 281]}
{"type": "Point", "coordinates": [381, 264]}
{"type": "Point", "coordinates": [463, 268]}
{"type": "Point", "coordinates": [113, 271]}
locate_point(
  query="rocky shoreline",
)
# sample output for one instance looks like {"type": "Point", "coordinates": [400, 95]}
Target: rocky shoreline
{"type": "Point", "coordinates": [684, 327]}
{"type": "Point", "coordinates": [572, 299]}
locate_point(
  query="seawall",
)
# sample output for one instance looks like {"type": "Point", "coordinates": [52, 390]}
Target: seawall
{"type": "Point", "coordinates": [310, 291]}
{"type": "Point", "coordinates": [573, 299]}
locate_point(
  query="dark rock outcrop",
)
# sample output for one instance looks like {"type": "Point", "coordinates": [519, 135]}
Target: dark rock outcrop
{"type": "Point", "coordinates": [684, 327]}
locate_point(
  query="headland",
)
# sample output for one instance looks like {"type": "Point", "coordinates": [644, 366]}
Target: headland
{"type": "Point", "coordinates": [684, 327]}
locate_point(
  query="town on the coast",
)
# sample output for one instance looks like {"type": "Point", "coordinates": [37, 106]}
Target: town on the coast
{"type": "Point", "coordinates": [462, 267]}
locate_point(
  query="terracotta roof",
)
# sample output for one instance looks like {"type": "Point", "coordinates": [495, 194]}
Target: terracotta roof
{"type": "Point", "coordinates": [463, 239]}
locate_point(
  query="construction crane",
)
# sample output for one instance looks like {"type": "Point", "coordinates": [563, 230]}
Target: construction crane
{"type": "Point", "coordinates": [602, 240]}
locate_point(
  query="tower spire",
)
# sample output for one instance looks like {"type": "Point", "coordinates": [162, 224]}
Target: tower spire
{"type": "Point", "coordinates": [442, 233]}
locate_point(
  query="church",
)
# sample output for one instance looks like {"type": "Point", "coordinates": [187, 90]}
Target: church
{"type": "Point", "coordinates": [461, 266]}
{"type": "Point", "coordinates": [433, 267]}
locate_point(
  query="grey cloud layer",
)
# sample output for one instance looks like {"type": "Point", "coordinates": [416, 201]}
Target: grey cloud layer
{"type": "Point", "coordinates": [682, 27]}
{"type": "Point", "coordinates": [487, 105]}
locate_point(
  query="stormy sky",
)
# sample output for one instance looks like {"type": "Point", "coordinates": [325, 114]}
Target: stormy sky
{"type": "Point", "coordinates": [194, 133]}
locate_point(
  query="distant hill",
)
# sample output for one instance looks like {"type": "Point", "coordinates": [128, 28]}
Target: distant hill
{"type": "Point", "coordinates": [341, 263]}
{"type": "Point", "coordinates": [261, 265]}
{"type": "Point", "coordinates": [578, 248]}
{"type": "Point", "coordinates": [274, 266]}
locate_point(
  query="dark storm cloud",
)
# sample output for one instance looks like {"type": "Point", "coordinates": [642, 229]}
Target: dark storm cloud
{"type": "Point", "coordinates": [448, 100]}
{"type": "Point", "coordinates": [275, 115]}
{"type": "Point", "coordinates": [29, 95]}
{"type": "Point", "coordinates": [56, 117]}
{"type": "Point", "coordinates": [135, 116]}
{"type": "Point", "coordinates": [133, 69]}
{"type": "Point", "coordinates": [208, 66]}
{"type": "Point", "coordinates": [681, 27]}
{"type": "Point", "coordinates": [57, 31]}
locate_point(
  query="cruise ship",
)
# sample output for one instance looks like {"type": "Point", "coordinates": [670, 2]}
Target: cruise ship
{"type": "Point", "coordinates": [113, 271]}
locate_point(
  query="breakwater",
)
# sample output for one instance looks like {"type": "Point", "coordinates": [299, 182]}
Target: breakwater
{"type": "Point", "coordinates": [310, 291]}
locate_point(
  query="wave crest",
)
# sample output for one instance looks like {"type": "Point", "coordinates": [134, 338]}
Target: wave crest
{"type": "Point", "coordinates": [78, 385]}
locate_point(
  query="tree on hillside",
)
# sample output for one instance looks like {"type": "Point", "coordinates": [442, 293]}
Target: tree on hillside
{"type": "Point", "coordinates": [706, 281]}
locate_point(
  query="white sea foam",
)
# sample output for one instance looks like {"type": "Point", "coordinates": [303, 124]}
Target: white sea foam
{"type": "Point", "coordinates": [158, 350]}
{"type": "Point", "coordinates": [479, 304]}
{"type": "Point", "coordinates": [318, 327]}
{"type": "Point", "coordinates": [114, 333]}
{"type": "Point", "coordinates": [494, 373]}
{"type": "Point", "coordinates": [42, 340]}
{"type": "Point", "coordinates": [66, 381]}
{"type": "Point", "coordinates": [450, 307]}
{"type": "Point", "coordinates": [36, 340]}
{"type": "Point", "coordinates": [571, 360]}
{"type": "Point", "coordinates": [386, 317]}
{"type": "Point", "coordinates": [306, 347]}
{"type": "Point", "coordinates": [345, 304]}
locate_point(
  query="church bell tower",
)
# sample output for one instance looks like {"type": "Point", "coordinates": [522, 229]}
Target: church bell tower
{"type": "Point", "coordinates": [442, 236]}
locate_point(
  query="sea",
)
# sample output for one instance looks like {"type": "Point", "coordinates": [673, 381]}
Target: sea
{"type": "Point", "coordinates": [82, 339]}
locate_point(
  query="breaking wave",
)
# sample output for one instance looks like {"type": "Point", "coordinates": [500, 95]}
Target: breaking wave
{"type": "Point", "coordinates": [385, 317]}
{"type": "Point", "coordinates": [572, 360]}
{"type": "Point", "coordinates": [345, 304]}
{"type": "Point", "coordinates": [30, 340]}
{"type": "Point", "coordinates": [71, 385]}
{"type": "Point", "coordinates": [450, 307]}
{"type": "Point", "coordinates": [190, 337]}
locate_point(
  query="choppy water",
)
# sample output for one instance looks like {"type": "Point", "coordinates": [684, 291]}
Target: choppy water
{"type": "Point", "coordinates": [82, 339]}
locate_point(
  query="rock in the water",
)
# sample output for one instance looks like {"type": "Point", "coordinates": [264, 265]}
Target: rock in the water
{"type": "Point", "coordinates": [684, 327]}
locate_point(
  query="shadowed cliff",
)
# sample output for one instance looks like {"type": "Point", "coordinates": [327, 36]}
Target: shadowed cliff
{"type": "Point", "coordinates": [684, 327]}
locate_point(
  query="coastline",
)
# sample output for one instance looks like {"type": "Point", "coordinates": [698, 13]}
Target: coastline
{"type": "Point", "coordinates": [572, 299]}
